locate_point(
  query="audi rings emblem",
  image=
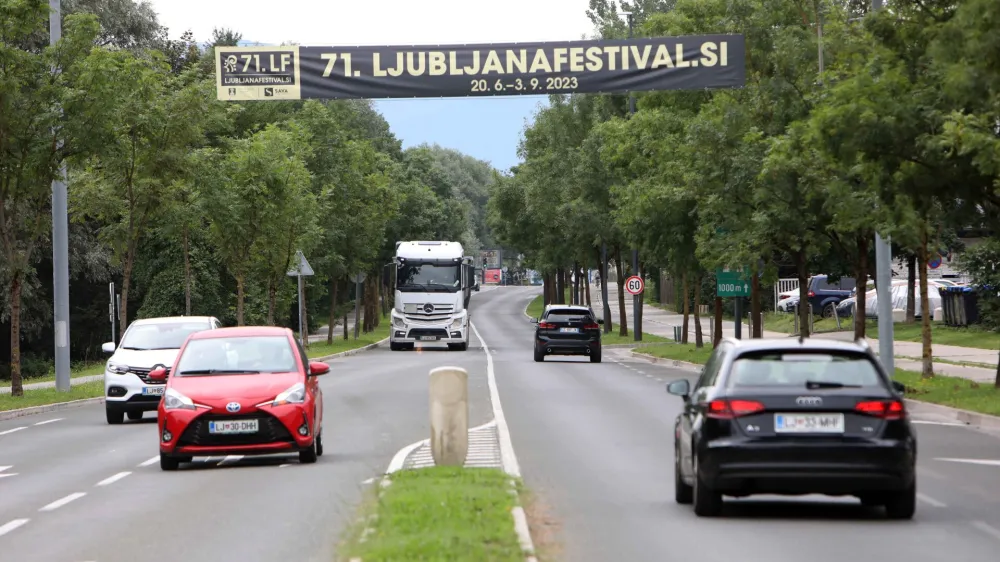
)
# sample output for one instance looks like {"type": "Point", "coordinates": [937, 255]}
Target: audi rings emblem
{"type": "Point", "coordinates": [233, 407]}
{"type": "Point", "coordinates": [808, 400]}
{"type": "Point", "coordinates": [428, 308]}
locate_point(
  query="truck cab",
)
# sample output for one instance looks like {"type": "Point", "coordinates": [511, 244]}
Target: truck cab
{"type": "Point", "coordinates": [432, 283]}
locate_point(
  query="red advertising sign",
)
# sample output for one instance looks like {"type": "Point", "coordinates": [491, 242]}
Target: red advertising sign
{"type": "Point", "coordinates": [492, 276]}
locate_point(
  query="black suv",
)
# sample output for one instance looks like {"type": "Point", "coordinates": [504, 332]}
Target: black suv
{"type": "Point", "coordinates": [568, 330]}
{"type": "Point", "coordinates": [824, 295]}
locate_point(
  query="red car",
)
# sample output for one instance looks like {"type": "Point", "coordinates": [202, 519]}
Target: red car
{"type": "Point", "coordinates": [240, 391]}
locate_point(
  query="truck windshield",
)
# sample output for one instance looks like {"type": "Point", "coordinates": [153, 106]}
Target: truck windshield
{"type": "Point", "coordinates": [429, 277]}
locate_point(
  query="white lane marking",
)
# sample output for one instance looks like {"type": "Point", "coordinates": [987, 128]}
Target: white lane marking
{"type": "Point", "coordinates": [400, 458]}
{"type": "Point", "coordinates": [369, 481]}
{"type": "Point", "coordinates": [49, 421]}
{"type": "Point", "coordinates": [981, 525]}
{"type": "Point", "coordinates": [988, 462]}
{"type": "Point", "coordinates": [11, 525]}
{"type": "Point", "coordinates": [509, 459]}
{"type": "Point", "coordinates": [230, 459]}
{"type": "Point", "coordinates": [13, 430]}
{"type": "Point", "coordinates": [929, 500]}
{"type": "Point", "coordinates": [3, 468]}
{"type": "Point", "coordinates": [61, 502]}
{"type": "Point", "coordinates": [284, 465]}
{"type": "Point", "coordinates": [113, 479]}
{"type": "Point", "coordinates": [150, 461]}
{"type": "Point", "coordinates": [925, 422]}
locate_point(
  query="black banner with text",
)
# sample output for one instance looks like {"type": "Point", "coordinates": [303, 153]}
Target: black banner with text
{"type": "Point", "coordinates": [662, 63]}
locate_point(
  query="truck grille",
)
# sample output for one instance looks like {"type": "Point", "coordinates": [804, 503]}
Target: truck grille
{"type": "Point", "coordinates": [416, 314]}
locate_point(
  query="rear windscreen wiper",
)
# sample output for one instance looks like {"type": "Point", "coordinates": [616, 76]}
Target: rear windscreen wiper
{"type": "Point", "coordinates": [821, 384]}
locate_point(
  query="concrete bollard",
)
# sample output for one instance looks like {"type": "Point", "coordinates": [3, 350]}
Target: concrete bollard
{"type": "Point", "coordinates": [449, 396]}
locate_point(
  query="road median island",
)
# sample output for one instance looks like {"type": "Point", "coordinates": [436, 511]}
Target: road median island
{"type": "Point", "coordinates": [954, 392]}
{"type": "Point", "coordinates": [438, 513]}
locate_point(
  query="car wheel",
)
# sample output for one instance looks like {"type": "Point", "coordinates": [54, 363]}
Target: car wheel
{"type": "Point", "coordinates": [458, 346]}
{"type": "Point", "coordinates": [707, 502]}
{"type": "Point", "coordinates": [830, 311]}
{"type": "Point", "coordinates": [114, 416]}
{"type": "Point", "coordinates": [902, 504]}
{"type": "Point", "coordinates": [168, 463]}
{"type": "Point", "coordinates": [309, 455]}
{"type": "Point", "coordinates": [393, 346]}
{"type": "Point", "coordinates": [596, 356]}
{"type": "Point", "coordinates": [319, 444]}
{"type": "Point", "coordinates": [539, 355]}
{"type": "Point", "coordinates": [683, 494]}
{"type": "Point", "coordinates": [135, 415]}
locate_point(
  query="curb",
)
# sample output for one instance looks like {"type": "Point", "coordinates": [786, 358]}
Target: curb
{"type": "Point", "coordinates": [684, 365]}
{"type": "Point", "coordinates": [349, 352]}
{"type": "Point", "coordinates": [966, 417]}
{"type": "Point", "coordinates": [21, 412]}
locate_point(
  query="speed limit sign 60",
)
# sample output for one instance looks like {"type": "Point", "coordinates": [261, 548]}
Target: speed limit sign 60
{"type": "Point", "coordinates": [634, 285]}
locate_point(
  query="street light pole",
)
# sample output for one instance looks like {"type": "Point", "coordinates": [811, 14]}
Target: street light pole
{"type": "Point", "coordinates": [636, 304]}
{"type": "Point", "coordinates": [883, 279]}
{"type": "Point", "coordinates": [60, 240]}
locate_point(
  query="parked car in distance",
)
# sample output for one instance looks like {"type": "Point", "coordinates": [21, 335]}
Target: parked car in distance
{"type": "Point", "coordinates": [241, 391]}
{"type": "Point", "coordinates": [567, 330]}
{"type": "Point", "coordinates": [147, 343]}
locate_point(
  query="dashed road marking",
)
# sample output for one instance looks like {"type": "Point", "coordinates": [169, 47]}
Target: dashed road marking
{"type": "Point", "coordinates": [49, 421]}
{"type": "Point", "coordinates": [113, 479]}
{"type": "Point", "coordinates": [11, 525]}
{"type": "Point", "coordinates": [981, 525]}
{"type": "Point", "coordinates": [929, 500]}
{"type": "Point", "coordinates": [284, 465]}
{"type": "Point", "coordinates": [9, 431]}
{"type": "Point", "coordinates": [63, 501]}
{"type": "Point", "coordinates": [3, 468]}
{"type": "Point", "coordinates": [150, 461]}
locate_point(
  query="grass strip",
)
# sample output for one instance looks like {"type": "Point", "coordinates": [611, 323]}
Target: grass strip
{"type": "Point", "coordinates": [339, 345]}
{"type": "Point", "coordinates": [956, 392]}
{"type": "Point", "coordinates": [45, 396]}
{"type": "Point", "coordinates": [442, 514]}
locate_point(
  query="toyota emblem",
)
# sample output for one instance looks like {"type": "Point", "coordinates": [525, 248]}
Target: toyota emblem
{"type": "Point", "coordinates": [233, 407]}
{"type": "Point", "coordinates": [428, 308]}
{"type": "Point", "coordinates": [809, 400]}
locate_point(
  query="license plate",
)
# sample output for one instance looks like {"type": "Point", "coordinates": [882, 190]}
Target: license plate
{"type": "Point", "coordinates": [233, 426]}
{"type": "Point", "coordinates": [428, 338]}
{"type": "Point", "coordinates": [570, 330]}
{"type": "Point", "coordinates": [152, 390]}
{"type": "Point", "coordinates": [809, 423]}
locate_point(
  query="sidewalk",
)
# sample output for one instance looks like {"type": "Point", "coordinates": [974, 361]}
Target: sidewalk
{"type": "Point", "coordinates": [907, 354]}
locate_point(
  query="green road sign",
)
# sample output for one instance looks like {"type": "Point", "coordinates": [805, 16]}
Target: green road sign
{"type": "Point", "coordinates": [729, 283]}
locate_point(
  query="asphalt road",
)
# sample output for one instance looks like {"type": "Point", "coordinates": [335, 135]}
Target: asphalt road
{"type": "Point", "coordinates": [78, 489]}
{"type": "Point", "coordinates": [594, 442]}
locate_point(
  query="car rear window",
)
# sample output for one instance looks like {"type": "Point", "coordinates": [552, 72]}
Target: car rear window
{"type": "Point", "coordinates": [796, 369]}
{"type": "Point", "coordinates": [566, 315]}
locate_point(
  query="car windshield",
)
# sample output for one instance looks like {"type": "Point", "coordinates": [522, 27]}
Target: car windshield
{"type": "Point", "coordinates": [802, 370]}
{"type": "Point", "coordinates": [247, 354]}
{"type": "Point", "coordinates": [166, 335]}
{"type": "Point", "coordinates": [567, 315]}
{"type": "Point", "coordinates": [430, 277]}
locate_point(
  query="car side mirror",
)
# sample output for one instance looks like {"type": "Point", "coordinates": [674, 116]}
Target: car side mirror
{"type": "Point", "coordinates": [534, 320]}
{"type": "Point", "coordinates": [108, 347]}
{"type": "Point", "coordinates": [680, 388]}
{"type": "Point", "coordinates": [899, 387]}
{"type": "Point", "coordinates": [316, 368]}
{"type": "Point", "coordinates": [158, 374]}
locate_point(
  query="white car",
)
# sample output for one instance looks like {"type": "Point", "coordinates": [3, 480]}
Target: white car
{"type": "Point", "coordinates": [147, 343]}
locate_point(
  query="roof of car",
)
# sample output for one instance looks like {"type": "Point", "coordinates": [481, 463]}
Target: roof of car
{"type": "Point", "coordinates": [805, 344]}
{"type": "Point", "coordinates": [569, 306]}
{"type": "Point", "coordinates": [173, 320]}
{"type": "Point", "coordinates": [241, 331]}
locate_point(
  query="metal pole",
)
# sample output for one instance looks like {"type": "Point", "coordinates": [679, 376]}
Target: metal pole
{"type": "Point", "coordinates": [604, 288]}
{"type": "Point", "coordinates": [636, 320]}
{"type": "Point", "coordinates": [302, 328]}
{"type": "Point", "coordinates": [883, 277]}
{"type": "Point", "coordinates": [739, 318]}
{"type": "Point", "coordinates": [60, 241]}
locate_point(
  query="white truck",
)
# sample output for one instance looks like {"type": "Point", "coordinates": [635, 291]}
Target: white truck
{"type": "Point", "coordinates": [432, 284]}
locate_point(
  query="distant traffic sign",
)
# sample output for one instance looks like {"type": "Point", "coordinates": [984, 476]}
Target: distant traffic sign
{"type": "Point", "coordinates": [301, 267]}
{"type": "Point", "coordinates": [634, 285]}
{"type": "Point", "coordinates": [731, 283]}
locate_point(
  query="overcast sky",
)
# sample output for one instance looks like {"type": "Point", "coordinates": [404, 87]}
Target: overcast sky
{"type": "Point", "coordinates": [487, 128]}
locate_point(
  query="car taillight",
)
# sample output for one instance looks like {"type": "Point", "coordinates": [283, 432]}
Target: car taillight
{"type": "Point", "coordinates": [885, 409]}
{"type": "Point", "coordinates": [783, 297]}
{"type": "Point", "coordinates": [729, 409]}
{"type": "Point", "coordinates": [546, 325]}
{"type": "Point", "coordinates": [590, 326]}
{"type": "Point", "coordinates": [811, 294]}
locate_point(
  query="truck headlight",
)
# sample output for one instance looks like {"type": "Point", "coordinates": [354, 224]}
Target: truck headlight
{"type": "Point", "coordinates": [398, 322]}
{"type": "Point", "coordinates": [457, 324]}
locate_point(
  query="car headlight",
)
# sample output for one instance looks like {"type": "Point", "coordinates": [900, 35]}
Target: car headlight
{"type": "Point", "coordinates": [117, 368]}
{"type": "Point", "coordinates": [296, 394]}
{"type": "Point", "coordinates": [173, 400]}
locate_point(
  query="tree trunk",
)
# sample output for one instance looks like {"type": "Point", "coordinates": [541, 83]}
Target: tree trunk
{"type": "Point", "coordinates": [698, 338]}
{"type": "Point", "coordinates": [717, 327]}
{"type": "Point", "coordinates": [756, 314]}
{"type": "Point", "coordinates": [586, 281]}
{"type": "Point", "coordinates": [620, 280]}
{"type": "Point", "coordinates": [602, 288]}
{"type": "Point", "coordinates": [642, 297]}
{"type": "Point", "coordinates": [240, 296]}
{"type": "Point", "coordinates": [16, 385]}
{"type": "Point", "coordinates": [801, 262]}
{"type": "Point", "coordinates": [126, 286]}
{"type": "Point", "coordinates": [686, 308]}
{"type": "Point", "coordinates": [272, 299]}
{"type": "Point", "coordinates": [576, 283]}
{"type": "Point", "coordinates": [927, 370]}
{"type": "Point", "coordinates": [861, 295]}
{"type": "Point", "coordinates": [911, 289]}
{"type": "Point", "coordinates": [187, 272]}
{"type": "Point", "coordinates": [332, 322]}
{"type": "Point", "coordinates": [346, 331]}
